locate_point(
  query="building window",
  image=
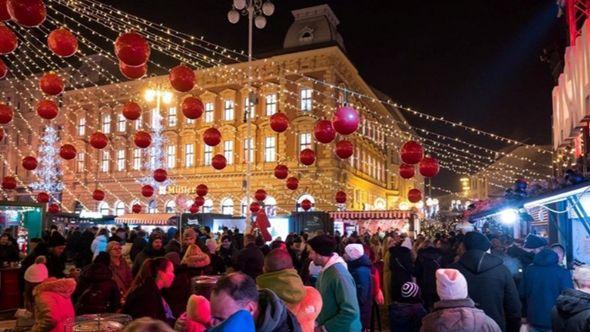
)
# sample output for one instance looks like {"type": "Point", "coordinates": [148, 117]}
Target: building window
{"type": "Point", "coordinates": [244, 207]}
{"type": "Point", "coordinates": [106, 157]}
{"type": "Point", "coordinates": [120, 160]}
{"type": "Point", "coordinates": [119, 208]}
{"type": "Point", "coordinates": [80, 162]}
{"type": "Point", "coordinates": [103, 208]}
{"type": "Point", "coordinates": [227, 206]}
{"type": "Point", "coordinates": [171, 156]}
{"type": "Point", "coordinates": [304, 141]}
{"type": "Point", "coordinates": [208, 206]}
{"type": "Point", "coordinates": [190, 121]}
{"type": "Point", "coordinates": [270, 206]}
{"type": "Point", "coordinates": [270, 149]}
{"type": "Point", "coordinates": [137, 159]}
{"type": "Point", "coordinates": [189, 155]}
{"type": "Point", "coordinates": [81, 126]}
{"type": "Point", "coordinates": [172, 117]}
{"type": "Point", "coordinates": [228, 151]}
{"type": "Point", "coordinates": [106, 124]}
{"type": "Point", "coordinates": [170, 207]}
{"type": "Point", "coordinates": [152, 207]}
{"type": "Point", "coordinates": [249, 106]}
{"type": "Point", "coordinates": [302, 198]}
{"type": "Point", "coordinates": [138, 122]}
{"type": "Point", "coordinates": [153, 153]}
{"type": "Point", "coordinates": [121, 123]}
{"type": "Point", "coordinates": [271, 104]}
{"type": "Point", "coordinates": [207, 155]}
{"type": "Point", "coordinates": [306, 99]}
{"type": "Point", "coordinates": [156, 119]}
{"type": "Point", "coordinates": [209, 109]}
{"type": "Point", "coordinates": [228, 110]}
{"type": "Point", "coordinates": [248, 150]}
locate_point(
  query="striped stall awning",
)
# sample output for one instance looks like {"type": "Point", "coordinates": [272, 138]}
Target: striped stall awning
{"type": "Point", "coordinates": [386, 214]}
{"type": "Point", "coordinates": [161, 219]}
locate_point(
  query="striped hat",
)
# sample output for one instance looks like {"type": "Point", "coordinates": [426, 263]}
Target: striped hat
{"type": "Point", "coordinates": [410, 290]}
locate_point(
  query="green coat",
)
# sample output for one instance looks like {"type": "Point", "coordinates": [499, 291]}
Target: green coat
{"type": "Point", "coordinates": [340, 311]}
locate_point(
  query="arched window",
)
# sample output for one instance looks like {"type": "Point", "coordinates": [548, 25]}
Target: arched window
{"type": "Point", "coordinates": [133, 202]}
{"type": "Point", "coordinates": [170, 206]}
{"type": "Point", "coordinates": [270, 206]}
{"type": "Point", "coordinates": [208, 206]}
{"type": "Point", "coordinates": [304, 197]}
{"type": "Point", "coordinates": [104, 209]}
{"type": "Point", "coordinates": [119, 208]}
{"type": "Point", "coordinates": [227, 206]}
{"type": "Point", "coordinates": [380, 204]}
{"type": "Point", "coordinates": [152, 207]}
{"type": "Point", "coordinates": [244, 207]}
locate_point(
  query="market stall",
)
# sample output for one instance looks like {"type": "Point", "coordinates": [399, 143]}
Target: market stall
{"type": "Point", "coordinates": [372, 221]}
{"type": "Point", "coordinates": [149, 221]}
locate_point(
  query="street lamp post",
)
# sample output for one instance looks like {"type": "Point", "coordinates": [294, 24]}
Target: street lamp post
{"type": "Point", "coordinates": [256, 10]}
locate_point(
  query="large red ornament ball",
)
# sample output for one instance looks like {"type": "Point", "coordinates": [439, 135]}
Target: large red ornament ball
{"type": "Point", "coordinates": [344, 149]}
{"type": "Point", "coordinates": [98, 195]}
{"type": "Point", "coordinates": [51, 84]}
{"type": "Point", "coordinates": [67, 151]}
{"type": "Point", "coordinates": [411, 152]}
{"type": "Point", "coordinates": [29, 163]}
{"type": "Point", "coordinates": [4, 14]}
{"type": "Point", "coordinates": [406, 171]}
{"type": "Point", "coordinates": [199, 201]}
{"type": "Point", "coordinates": [3, 69]}
{"type": "Point", "coordinates": [428, 167]}
{"type": "Point", "coordinates": [131, 110]}
{"type": "Point", "coordinates": [306, 204]}
{"type": "Point", "coordinates": [133, 72]}
{"type": "Point", "coordinates": [212, 137]}
{"type": "Point", "coordinates": [192, 107]}
{"type": "Point", "coordinates": [346, 120]}
{"type": "Point", "coordinates": [193, 209]}
{"type": "Point", "coordinates": [254, 207]}
{"type": "Point", "coordinates": [9, 183]}
{"type": "Point", "coordinates": [53, 208]}
{"type": "Point", "coordinates": [182, 78]}
{"type": "Point", "coordinates": [414, 195]}
{"type": "Point", "coordinates": [8, 40]}
{"type": "Point", "coordinates": [160, 175]}
{"type": "Point", "coordinates": [292, 183]}
{"type": "Point", "coordinates": [307, 157]}
{"type": "Point", "coordinates": [340, 197]}
{"type": "Point", "coordinates": [260, 195]}
{"type": "Point", "coordinates": [281, 172]}
{"type": "Point", "coordinates": [47, 109]}
{"type": "Point", "coordinates": [218, 162]}
{"type": "Point", "coordinates": [62, 42]}
{"type": "Point", "coordinates": [324, 131]}
{"type": "Point", "coordinates": [98, 140]}
{"type": "Point", "coordinates": [132, 49]}
{"type": "Point", "coordinates": [28, 13]}
{"type": "Point", "coordinates": [136, 208]}
{"type": "Point", "coordinates": [202, 190]}
{"type": "Point", "coordinates": [6, 114]}
{"type": "Point", "coordinates": [42, 197]}
{"type": "Point", "coordinates": [147, 190]}
{"type": "Point", "coordinates": [279, 122]}
{"type": "Point", "coordinates": [142, 139]}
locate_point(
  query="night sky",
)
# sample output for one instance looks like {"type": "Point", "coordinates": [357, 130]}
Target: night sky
{"type": "Point", "coordinates": [472, 61]}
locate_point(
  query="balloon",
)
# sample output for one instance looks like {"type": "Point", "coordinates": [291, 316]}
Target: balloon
{"type": "Point", "coordinates": [29, 163]}
{"type": "Point", "coordinates": [212, 136]}
{"type": "Point", "coordinates": [199, 201]}
{"type": "Point", "coordinates": [147, 190]}
{"type": "Point", "coordinates": [428, 167]}
{"type": "Point", "coordinates": [53, 208]}
{"type": "Point", "coordinates": [47, 109]}
{"type": "Point", "coordinates": [4, 14]}
{"type": "Point", "coordinates": [6, 114]}
{"type": "Point", "coordinates": [260, 195]}
{"type": "Point", "coordinates": [281, 172]}
{"type": "Point", "coordinates": [192, 107]}
{"type": "Point", "coordinates": [279, 122]}
{"type": "Point", "coordinates": [160, 175]}
{"type": "Point", "coordinates": [28, 13]}
{"type": "Point", "coordinates": [98, 140]}
{"type": "Point", "coordinates": [218, 162]}
{"type": "Point", "coordinates": [306, 204]}
{"type": "Point", "coordinates": [307, 157]}
{"type": "Point", "coordinates": [254, 207]}
{"type": "Point", "coordinates": [67, 151]}
{"type": "Point", "coordinates": [9, 183]}
{"type": "Point", "coordinates": [414, 195]}
{"type": "Point", "coordinates": [340, 197]}
{"type": "Point", "coordinates": [412, 152]}
{"type": "Point", "coordinates": [194, 209]}
{"type": "Point", "coordinates": [98, 195]}
{"type": "Point", "coordinates": [142, 139]}
{"type": "Point", "coordinates": [132, 72]}
{"type": "Point", "coordinates": [136, 208]}
{"type": "Point", "coordinates": [406, 171]}
{"type": "Point", "coordinates": [51, 84]}
{"type": "Point", "coordinates": [3, 69]}
{"type": "Point", "coordinates": [202, 190]}
{"type": "Point", "coordinates": [62, 42]}
{"type": "Point", "coordinates": [131, 110]}
{"type": "Point", "coordinates": [42, 197]}
{"type": "Point", "coordinates": [132, 49]}
{"type": "Point", "coordinates": [8, 40]}
{"type": "Point", "coordinates": [324, 131]}
{"type": "Point", "coordinates": [344, 149]}
{"type": "Point", "coordinates": [182, 78]}
{"type": "Point", "coordinates": [292, 183]}
{"type": "Point", "coordinates": [346, 120]}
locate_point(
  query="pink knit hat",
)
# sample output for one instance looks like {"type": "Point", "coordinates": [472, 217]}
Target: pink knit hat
{"type": "Point", "coordinates": [36, 273]}
{"type": "Point", "coordinates": [451, 284]}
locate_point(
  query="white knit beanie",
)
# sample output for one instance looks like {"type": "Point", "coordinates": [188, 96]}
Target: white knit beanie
{"type": "Point", "coordinates": [36, 273]}
{"type": "Point", "coordinates": [354, 251]}
{"type": "Point", "coordinates": [451, 284]}
{"type": "Point", "coordinates": [407, 243]}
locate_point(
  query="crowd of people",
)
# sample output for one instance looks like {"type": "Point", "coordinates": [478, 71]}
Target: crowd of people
{"type": "Point", "coordinates": [306, 282]}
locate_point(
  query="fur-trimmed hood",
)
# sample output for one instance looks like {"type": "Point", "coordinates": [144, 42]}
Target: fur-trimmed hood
{"type": "Point", "coordinates": [64, 287]}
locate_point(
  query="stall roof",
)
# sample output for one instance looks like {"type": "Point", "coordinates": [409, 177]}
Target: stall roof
{"type": "Point", "coordinates": [161, 219]}
{"type": "Point", "coordinates": [385, 214]}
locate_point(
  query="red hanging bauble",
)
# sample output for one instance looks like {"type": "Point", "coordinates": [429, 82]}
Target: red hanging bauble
{"type": "Point", "coordinates": [133, 72]}
{"type": "Point", "coordinates": [199, 201]}
{"type": "Point", "coordinates": [260, 195]}
{"type": "Point", "coordinates": [160, 175]}
{"type": "Point", "coordinates": [193, 209]}
{"type": "Point", "coordinates": [324, 131]}
{"type": "Point", "coordinates": [3, 69]}
{"type": "Point", "coordinates": [42, 197]}
{"type": "Point", "coordinates": [218, 162]}
{"type": "Point", "coordinates": [28, 13]}
{"type": "Point", "coordinates": [212, 137]}
{"type": "Point", "coordinates": [98, 195]}
{"type": "Point", "coordinates": [9, 183]}
{"type": "Point", "coordinates": [98, 140]}
{"type": "Point", "coordinates": [292, 183]}
{"type": "Point", "coordinates": [414, 195]}
{"type": "Point", "coordinates": [279, 122]}
{"type": "Point", "coordinates": [411, 152]}
{"type": "Point", "coordinates": [254, 207]}
{"type": "Point", "coordinates": [340, 197]}
{"type": "Point", "coordinates": [346, 120]}
{"type": "Point", "coordinates": [406, 171]}
{"type": "Point", "coordinates": [142, 139]}
{"type": "Point", "coordinates": [344, 149]}
{"type": "Point", "coordinates": [136, 208]}
{"type": "Point", "coordinates": [131, 110]}
{"type": "Point", "coordinates": [8, 40]}
{"type": "Point", "coordinates": [202, 190]}
{"type": "Point", "coordinates": [307, 157]}
{"type": "Point", "coordinates": [29, 163]}
{"type": "Point", "coordinates": [306, 204]}
{"type": "Point", "coordinates": [62, 42]}
{"type": "Point", "coordinates": [281, 172]}
{"type": "Point", "coordinates": [4, 14]}
{"type": "Point", "coordinates": [51, 84]}
{"type": "Point", "coordinates": [428, 167]}
{"type": "Point", "coordinates": [147, 190]}
{"type": "Point", "coordinates": [192, 107]}
{"type": "Point", "coordinates": [67, 151]}
{"type": "Point", "coordinates": [53, 208]}
{"type": "Point", "coordinates": [182, 78]}
{"type": "Point", "coordinates": [47, 109]}
{"type": "Point", "coordinates": [132, 49]}
{"type": "Point", "coordinates": [6, 114]}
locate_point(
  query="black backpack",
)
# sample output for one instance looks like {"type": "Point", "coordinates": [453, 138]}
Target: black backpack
{"type": "Point", "coordinates": [92, 301]}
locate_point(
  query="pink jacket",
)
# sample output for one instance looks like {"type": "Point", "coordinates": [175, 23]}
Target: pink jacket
{"type": "Point", "coordinates": [53, 304]}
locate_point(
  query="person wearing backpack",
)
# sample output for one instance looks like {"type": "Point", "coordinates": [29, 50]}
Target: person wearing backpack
{"type": "Point", "coordinates": [97, 292]}
{"type": "Point", "coordinates": [427, 262]}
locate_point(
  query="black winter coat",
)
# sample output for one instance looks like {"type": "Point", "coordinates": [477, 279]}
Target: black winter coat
{"type": "Point", "coordinates": [250, 260]}
{"type": "Point", "coordinates": [148, 252]}
{"type": "Point", "coordinates": [177, 295]}
{"type": "Point", "coordinates": [138, 246]}
{"type": "Point", "coordinates": [228, 255]}
{"type": "Point", "coordinates": [491, 287]}
{"type": "Point", "coordinates": [146, 301]}
{"type": "Point", "coordinates": [96, 291]}
{"type": "Point", "coordinates": [402, 270]}
{"type": "Point", "coordinates": [427, 262]}
{"type": "Point", "coordinates": [571, 312]}
{"type": "Point", "coordinates": [83, 252]}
